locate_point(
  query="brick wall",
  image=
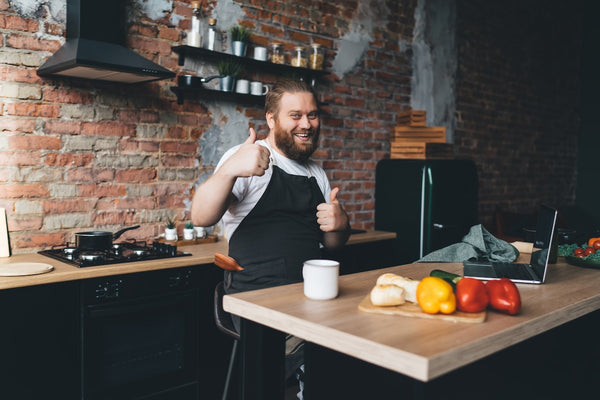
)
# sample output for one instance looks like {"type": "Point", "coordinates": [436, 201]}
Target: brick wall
{"type": "Point", "coordinates": [77, 155]}
{"type": "Point", "coordinates": [518, 101]}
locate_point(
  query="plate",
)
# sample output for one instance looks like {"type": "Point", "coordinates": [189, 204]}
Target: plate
{"type": "Point", "coordinates": [582, 262]}
{"type": "Point", "coordinates": [22, 269]}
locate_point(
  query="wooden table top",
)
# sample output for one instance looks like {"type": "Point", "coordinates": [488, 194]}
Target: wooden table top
{"type": "Point", "coordinates": [201, 254]}
{"type": "Point", "coordinates": [420, 348]}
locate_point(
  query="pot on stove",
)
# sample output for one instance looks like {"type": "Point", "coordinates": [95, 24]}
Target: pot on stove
{"type": "Point", "coordinates": [98, 240]}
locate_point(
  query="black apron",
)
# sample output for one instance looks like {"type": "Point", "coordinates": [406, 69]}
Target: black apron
{"type": "Point", "coordinates": [278, 235]}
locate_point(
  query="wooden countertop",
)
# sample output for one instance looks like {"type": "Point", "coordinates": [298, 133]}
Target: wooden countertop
{"type": "Point", "coordinates": [420, 348]}
{"type": "Point", "coordinates": [201, 254]}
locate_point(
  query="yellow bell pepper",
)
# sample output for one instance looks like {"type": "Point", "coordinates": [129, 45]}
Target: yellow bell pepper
{"type": "Point", "coordinates": [435, 295]}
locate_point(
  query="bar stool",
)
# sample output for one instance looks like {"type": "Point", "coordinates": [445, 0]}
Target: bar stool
{"type": "Point", "coordinates": [225, 325]}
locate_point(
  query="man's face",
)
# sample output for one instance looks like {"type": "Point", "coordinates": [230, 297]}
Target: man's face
{"type": "Point", "coordinates": [296, 126]}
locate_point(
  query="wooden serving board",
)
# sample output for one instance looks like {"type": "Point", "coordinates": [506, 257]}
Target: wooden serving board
{"type": "Point", "coordinates": [24, 269]}
{"type": "Point", "coordinates": [413, 310]}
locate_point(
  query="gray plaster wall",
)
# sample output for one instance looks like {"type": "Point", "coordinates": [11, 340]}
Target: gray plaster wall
{"type": "Point", "coordinates": [435, 63]}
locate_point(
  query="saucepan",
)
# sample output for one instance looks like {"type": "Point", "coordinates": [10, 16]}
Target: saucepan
{"type": "Point", "coordinates": [98, 240]}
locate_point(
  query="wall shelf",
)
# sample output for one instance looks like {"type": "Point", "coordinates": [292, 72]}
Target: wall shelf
{"type": "Point", "coordinates": [249, 63]}
{"type": "Point", "coordinates": [210, 94]}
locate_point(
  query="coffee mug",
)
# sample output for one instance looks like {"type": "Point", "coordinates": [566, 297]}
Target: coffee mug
{"type": "Point", "coordinates": [260, 53]}
{"type": "Point", "coordinates": [242, 86]}
{"type": "Point", "coordinates": [258, 89]}
{"type": "Point", "coordinates": [321, 279]}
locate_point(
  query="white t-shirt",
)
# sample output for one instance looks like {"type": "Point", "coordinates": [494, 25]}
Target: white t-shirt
{"type": "Point", "coordinates": [248, 191]}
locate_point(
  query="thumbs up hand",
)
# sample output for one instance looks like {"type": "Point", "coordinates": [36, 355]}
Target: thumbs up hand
{"type": "Point", "coordinates": [250, 159]}
{"type": "Point", "coordinates": [331, 216]}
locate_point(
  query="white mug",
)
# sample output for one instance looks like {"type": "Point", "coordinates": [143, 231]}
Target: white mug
{"type": "Point", "coordinates": [260, 53]}
{"type": "Point", "coordinates": [242, 86]}
{"type": "Point", "coordinates": [321, 279]}
{"type": "Point", "coordinates": [258, 89]}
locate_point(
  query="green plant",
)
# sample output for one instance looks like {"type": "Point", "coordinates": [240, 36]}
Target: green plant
{"type": "Point", "coordinates": [240, 33]}
{"type": "Point", "coordinates": [170, 224]}
{"type": "Point", "coordinates": [189, 225]}
{"type": "Point", "coordinates": [227, 68]}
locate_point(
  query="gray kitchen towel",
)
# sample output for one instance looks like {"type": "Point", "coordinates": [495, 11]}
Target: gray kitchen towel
{"type": "Point", "coordinates": [477, 244]}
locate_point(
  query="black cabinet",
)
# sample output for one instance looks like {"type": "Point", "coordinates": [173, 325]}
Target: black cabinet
{"type": "Point", "coordinates": [251, 65]}
{"type": "Point", "coordinates": [39, 336]}
{"type": "Point", "coordinates": [44, 330]}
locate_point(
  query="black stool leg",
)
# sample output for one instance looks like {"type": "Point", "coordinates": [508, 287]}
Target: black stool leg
{"type": "Point", "coordinates": [230, 370]}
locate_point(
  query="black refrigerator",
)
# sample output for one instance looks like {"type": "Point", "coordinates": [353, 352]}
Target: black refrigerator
{"type": "Point", "coordinates": [430, 204]}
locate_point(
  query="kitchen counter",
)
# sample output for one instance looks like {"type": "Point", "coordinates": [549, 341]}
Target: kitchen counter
{"type": "Point", "coordinates": [201, 254]}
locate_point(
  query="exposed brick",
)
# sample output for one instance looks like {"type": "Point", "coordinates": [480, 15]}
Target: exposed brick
{"type": "Point", "coordinates": [63, 127]}
{"type": "Point", "coordinates": [55, 95]}
{"type": "Point", "coordinates": [24, 223]}
{"type": "Point", "coordinates": [14, 22]}
{"type": "Point", "coordinates": [107, 128]}
{"type": "Point", "coordinates": [34, 142]}
{"type": "Point", "coordinates": [20, 158]}
{"type": "Point", "coordinates": [33, 110]}
{"type": "Point", "coordinates": [136, 175]}
{"type": "Point", "coordinates": [17, 125]}
{"type": "Point", "coordinates": [64, 206]}
{"type": "Point", "coordinates": [25, 190]}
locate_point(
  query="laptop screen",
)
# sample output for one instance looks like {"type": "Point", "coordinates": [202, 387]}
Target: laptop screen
{"type": "Point", "coordinates": [544, 233]}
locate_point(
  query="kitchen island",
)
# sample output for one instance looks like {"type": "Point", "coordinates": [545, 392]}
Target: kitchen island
{"type": "Point", "coordinates": [549, 350]}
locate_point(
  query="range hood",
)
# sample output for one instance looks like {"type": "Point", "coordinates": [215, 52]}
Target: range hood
{"type": "Point", "coordinates": [94, 47]}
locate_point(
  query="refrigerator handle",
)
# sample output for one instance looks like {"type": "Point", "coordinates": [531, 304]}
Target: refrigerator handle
{"type": "Point", "coordinates": [439, 227]}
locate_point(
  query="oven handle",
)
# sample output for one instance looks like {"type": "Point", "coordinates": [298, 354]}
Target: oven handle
{"type": "Point", "coordinates": [140, 304]}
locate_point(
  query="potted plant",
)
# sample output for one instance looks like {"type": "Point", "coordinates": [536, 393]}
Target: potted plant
{"type": "Point", "coordinates": [240, 36]}
{"type": "Point", "coordinates": [171, 230]}
{"type": "Point", "coordinates": [228, 72]}
{"type": "Point", "coordinates": [188, 231]}
{"type": "Point", "coordinates": [200, 232]}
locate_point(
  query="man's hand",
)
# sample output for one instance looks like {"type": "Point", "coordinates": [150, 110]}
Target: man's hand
{"type": "Point", "coordinates": [331, 216]}
{"type": "Point", "coordinates": [251, 159]}
{"type": "Point", "coordinates": [214, 195]}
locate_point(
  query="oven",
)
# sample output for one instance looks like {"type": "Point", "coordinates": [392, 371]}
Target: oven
{"type": "Point", "coordinates": [140, 335]}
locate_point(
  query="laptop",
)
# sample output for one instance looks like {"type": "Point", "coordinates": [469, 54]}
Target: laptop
{"type": "Point", "coordinates": [535, 271]}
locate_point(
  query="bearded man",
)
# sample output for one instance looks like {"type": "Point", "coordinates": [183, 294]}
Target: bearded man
{"type": "Point", "coordinates": [271, 195]}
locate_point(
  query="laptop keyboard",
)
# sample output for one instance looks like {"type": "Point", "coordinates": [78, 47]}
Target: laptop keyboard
{"type": "Point", "coordinates": [512, 270]}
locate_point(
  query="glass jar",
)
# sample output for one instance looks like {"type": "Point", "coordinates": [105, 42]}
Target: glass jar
{"type": "Point", "coordinates": [212, 36]}
{"type": "Point", "coordinates": [316, 56]}
{"type": "Point", "coordinates": [277, 55]}
{"type": "Point", "coordinates": [299, 57]}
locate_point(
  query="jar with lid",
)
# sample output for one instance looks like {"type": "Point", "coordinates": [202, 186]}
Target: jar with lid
{"type": "Point", "coordinates": [194, 37]}
{"type": "Point", "coordinates": [316, 56]}
{"type": "Point", "coordinates": [212, 36]}
{"type": "Point", "coordinates": [277, 55]}
{"type": "Point", "coordinates": [299, 57]}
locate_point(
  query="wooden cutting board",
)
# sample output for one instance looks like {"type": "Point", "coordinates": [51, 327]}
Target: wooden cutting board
{"type": "Point", "coordinates": [413, 310]}
{"type": "Point", "coordinates": [23, 269]}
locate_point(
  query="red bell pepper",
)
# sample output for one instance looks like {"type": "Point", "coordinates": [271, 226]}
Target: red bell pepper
{"type": "Point", "coordinates": [504, 296]}
{"type": "Point", "coordinates": [471, 295]}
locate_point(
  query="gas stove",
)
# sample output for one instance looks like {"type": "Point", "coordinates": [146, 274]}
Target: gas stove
{"type": "Point", "coordinates": [119, 253]}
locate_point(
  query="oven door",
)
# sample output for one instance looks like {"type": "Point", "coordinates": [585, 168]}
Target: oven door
{"type": "Point", "coordinates": [141, 348]}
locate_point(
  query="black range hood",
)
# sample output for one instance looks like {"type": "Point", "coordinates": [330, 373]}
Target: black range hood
{"type": "Point", "coordinates": [94, 47]}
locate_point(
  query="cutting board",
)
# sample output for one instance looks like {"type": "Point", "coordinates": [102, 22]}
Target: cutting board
{"type": "Point", "coordinates": [413, 310]}
{"type": "Point", "coordinates": [23, 269]}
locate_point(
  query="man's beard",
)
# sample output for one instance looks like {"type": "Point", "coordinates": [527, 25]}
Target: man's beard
{"type": "Point", "coordinates": [292, 149]}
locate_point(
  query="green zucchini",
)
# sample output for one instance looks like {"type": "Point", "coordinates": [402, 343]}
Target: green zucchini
{"type": "Point", "coordinates": [447, 276]}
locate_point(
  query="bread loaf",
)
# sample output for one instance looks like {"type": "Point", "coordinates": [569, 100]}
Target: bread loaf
{"type": "Point", "coordinates": [409, 285]}
{"type": "Point", "coordinates": [387, 295]}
